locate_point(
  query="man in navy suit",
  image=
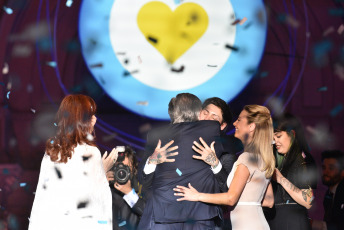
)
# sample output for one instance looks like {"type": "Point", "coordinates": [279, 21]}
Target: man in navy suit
{"type": "Point", "coordinates": [162, 210]}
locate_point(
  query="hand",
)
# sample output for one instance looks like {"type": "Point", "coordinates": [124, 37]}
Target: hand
{"type": "Point", "coordinates": [208, 155]}
{"type": "Point", "coordinates": [124, 188]}
{"type": "Point", "coordinates": [277, 176]}
{"type": "Point", "coordinates": [160, 154]}
{"type": "Point", "coordinates": [189, 194]}
{"type": "Point", "coordinates": [110, 176]}
{"type": "Point", "coordinates": [109, 161]}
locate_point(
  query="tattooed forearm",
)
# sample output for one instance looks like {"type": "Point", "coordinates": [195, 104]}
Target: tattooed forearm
{"type": "Point", "coordinates": [308, 194]}
{"type": "Point", "coordinates": [289, 185]}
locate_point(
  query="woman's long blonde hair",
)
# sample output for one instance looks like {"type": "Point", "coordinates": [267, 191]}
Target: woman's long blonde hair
{"type": "Point", "coordinates": [262, 137]}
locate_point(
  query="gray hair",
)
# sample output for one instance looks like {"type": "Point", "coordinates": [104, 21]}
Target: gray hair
{"type": "Point", "coordinates": [185, 107]}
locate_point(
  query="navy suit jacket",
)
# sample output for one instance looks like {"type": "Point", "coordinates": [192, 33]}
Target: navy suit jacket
{"type": "Point", "coordinates": [163, 207]}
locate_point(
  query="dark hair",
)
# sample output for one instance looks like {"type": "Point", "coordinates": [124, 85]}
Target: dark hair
{"type": "Point", "coordinates": [130, 153]}
{"type": "Point", "coordinates": [225, 109]}
{"type": "Point", "coordinates": [73, 125]}
{"type": "Point", "coordinates": [185, 107]}
{"type": "Point", "coordinates": [287, 123]}
{"type": "Point", "coordinates": [336, 154]}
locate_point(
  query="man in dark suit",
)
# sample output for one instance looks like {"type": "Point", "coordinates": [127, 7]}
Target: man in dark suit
{"type": "Point", "coordinates": [162, 210]}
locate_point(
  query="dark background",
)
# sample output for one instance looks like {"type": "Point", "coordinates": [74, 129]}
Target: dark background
{"type": "Point", "coordinates": [301, 70]}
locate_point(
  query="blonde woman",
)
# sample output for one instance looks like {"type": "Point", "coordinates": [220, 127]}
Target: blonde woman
{"type": "Point", "coordinates": [249, 181]}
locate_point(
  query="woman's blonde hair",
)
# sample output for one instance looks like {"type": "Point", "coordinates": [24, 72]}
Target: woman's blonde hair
{"type": "Point", "coordinates": [262, 137]}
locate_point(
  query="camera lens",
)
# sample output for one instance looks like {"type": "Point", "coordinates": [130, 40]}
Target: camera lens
{"type": "Point", "coordinates": [122, 173]}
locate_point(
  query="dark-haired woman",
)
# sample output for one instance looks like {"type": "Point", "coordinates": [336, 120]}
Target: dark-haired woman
{"type": "Point", "coordinates": [295, 176]}
{"type": "Point", "coordinates": [72, 191]}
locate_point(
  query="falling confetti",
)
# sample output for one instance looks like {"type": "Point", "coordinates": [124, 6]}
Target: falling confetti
{"type": "Point", "coordinates": [123, 222]}
{"type": "Point", "coordinates": [336, 110]}
{"type": "Point", "coordinates": [145, 128]}
{"type": "Point", "coordinates": [33, 110]}
{"type": "Point", "coordinates": [179, 172]}
{"type": "Point", "coordinates": [145, 103]}
{"type": "Point", "coordinates": [52, 142]}
{"type": "Point", "coordinates": [58, 172]}
{"type": "Point", "coordinates": [154, 40]}
{"type": "Point", "coordinates": [69, 3]}
{"type": "Point", "coordinates": [96, 65]}
{"type": "Point", "coordinates": [328, 31]}
{"type": "Point", "coordinates": [322, 89]}
{"type": "Point", "coordinates": [109, 137]}
{"type": "Point", "coordinates": [180, 70]}
{"type": "Point", "coordinates": [340, 29]}
{"type": "Point", "coordinates": [86, 158]}
{"type": "Point", "coordinates": [212, 65]}
{"type": "Point", "coordinates": [139, 59]}
{"type": "Point", "coordinates": [102, 222]}
{"type": "Point", "coordinates": [51, 63]}
{"type": "Point", "coordinates": [90, 137]}
{"type": "Point", "coordinates": [22, 184]}
{"type": "Point", "coordinates": [55, 124]}
{"type": "Point", "coordinates": [320, 135]}
{"type": "Point", "coordinates": [339, 71]}
{"type": "Point", "coordinates": [5, 69]}
{"type": "Point", "coordinates": [8, 94]}
{"type": "Point", "coordinates": [82, 204]}
{"type": "Point", "coordinates": [8, 10]}
{"type": "Point", "coordinates": [232, 47]}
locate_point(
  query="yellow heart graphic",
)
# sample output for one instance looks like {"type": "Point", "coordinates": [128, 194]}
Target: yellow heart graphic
{"type": "Point", "coordinates": [172, 33]}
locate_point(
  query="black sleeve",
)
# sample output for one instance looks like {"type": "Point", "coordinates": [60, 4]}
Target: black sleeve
{"type": "Point", "coordinates": [139, 207]}
{"type": "Point", "coordinates": [227, 160]}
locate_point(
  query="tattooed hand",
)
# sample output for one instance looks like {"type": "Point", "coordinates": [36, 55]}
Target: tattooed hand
{"type": "Point", "coordinates": [208, 155]}
{"type": "Point", "coordinates": [160, 154]}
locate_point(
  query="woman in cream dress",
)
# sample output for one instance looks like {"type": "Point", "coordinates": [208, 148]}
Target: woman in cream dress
{"type": "Point", "coordinates": [249, 181]}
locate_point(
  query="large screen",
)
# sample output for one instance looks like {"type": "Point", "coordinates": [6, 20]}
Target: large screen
{"type": "Point", "coordinates": [143, 52]}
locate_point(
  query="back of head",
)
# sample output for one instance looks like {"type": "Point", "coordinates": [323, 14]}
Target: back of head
{"type": "Point", "coordinates": [334, 154]}
{"type": "Point", "coordinates": [225, 109]}
{"type": "Point", "coordinates": [262, 137]}
{"type": "Point", "coordinates": [73, 125]}
{"type": "Point", "coordinates": [185, 107]}
{"type": "Point", "coordinates": [293, 127]}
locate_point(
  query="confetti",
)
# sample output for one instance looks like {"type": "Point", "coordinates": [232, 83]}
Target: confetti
{"type": "Point", "coordinates": [139, 58]}
{"type": "Point", "coordinates": [212, 65]}
{"type": "Point", "coordinates": [69, 3]}
{"type": "Point", "coordinates": [126, 61]}
{"type": "Point", "coordinates": [8, 94]}
{"type": "Point", "coordinates": [340, 29]}
{"type": "Point", "coordinates": [102, 222]}
{"type": "Point", "coordinates": [86, 158]}
{"type": "Point", "coordinates": [154, 40]}
{"type": "Point", "coordinates": [22, 184]}
{"type": "Point", "coordinates": [29, 88]}
{"type": "Point", "coordinates": [55, 124]}
{"type": "Point", "coordinates": [290, 20]}
{"type": "Point", "coordinates": [5, 69]}
{"type": "Point", "coordinates": [58, 172]}
{"type": "Point", "coordinates": [227, 46]}
{"type": "Point", "coordinates": [96, 65]}
{"type": "Point", "coordinates": [176, 2]}
{"type": "Point", "coordinates": [122, 223]}
{"type": "Point", "coordinates": [145, 128]}
{"type": "Point", "coordinates": [20, 50]}
{"type": "Point", "coordinates": [242, 21]}
{"type": "Point", "coordinates": [90, 137]}
{"type": "Point", "coordinates": [109, 137]}
{"type": "Point", "coordinates": [32, 110]}
{"type": "Point", "coordinates": [179, 172]}
{"type": "Point", "coordinates": [51, 63]}
{"type": "Point", "coordinates": [181, 69]}
{"type": "Point", "coordinates": [248, 25]}
{"type": "Point", "coordinates": [126, 73]}
{"type": "Point", "coordinates": [145, 103]}
{"type": "Point", "coordinates": [120, 53]}
{"type": "Point", "coordinates": [52, 142]}
{"type": "Point", "coordinates": [235, 22]}
{"type": "Point", "coordinates": [336, 110]}
{"type": "Point", "coordinates": [339, 71]}
{"type": "Point", "coordinates": [320, 136]}
{"type": "Point", "coordinates": [322, 89]}
{"type": "Point", "coordinates": [8, 10]}
{"type": "Point", "coordinates": [82, 204]}
{"type": "Point", "coordinates": [328, 31]}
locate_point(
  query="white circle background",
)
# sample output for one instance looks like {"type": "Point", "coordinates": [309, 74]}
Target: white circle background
{"type": "Point", "coordinates": [150, 66]}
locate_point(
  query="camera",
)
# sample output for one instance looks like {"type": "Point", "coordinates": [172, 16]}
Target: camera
{"type": "Point", "coordinates": [122, 173]}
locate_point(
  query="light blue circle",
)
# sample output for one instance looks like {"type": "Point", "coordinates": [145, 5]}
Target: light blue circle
{"type": "Point", "coordinates": [132, 94]}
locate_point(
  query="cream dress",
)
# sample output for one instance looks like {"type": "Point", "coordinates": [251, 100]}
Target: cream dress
{"type": "Point", "coordinates": [75, 195]}
{"type": "Point", "coordinates": [248, 213]}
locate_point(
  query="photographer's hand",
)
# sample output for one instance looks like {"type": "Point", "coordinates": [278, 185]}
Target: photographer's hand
{"type": "Point", "coordinates": [160, 154]}
{"type": "Point", "coordinates": [109, 160]}
{"type": "Point", "coordinates": [124, 188]}
{"type": "Point", "coordinates": [110, 176]}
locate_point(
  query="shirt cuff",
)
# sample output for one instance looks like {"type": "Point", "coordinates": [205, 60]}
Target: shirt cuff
{"type": "Point", "coordinates": [131, 198]}
{"type": "Point", "coordinates": [149, 168]}
{"type": "Point", "coordinates": [217, 168]}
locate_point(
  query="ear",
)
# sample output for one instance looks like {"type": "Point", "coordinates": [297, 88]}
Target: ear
{"type": "Point", "coordinates": [252, 126]}
{"type": "Point", "coordinates": [223, 126]}
{"type": "Point", "coordinates": [292, 132]}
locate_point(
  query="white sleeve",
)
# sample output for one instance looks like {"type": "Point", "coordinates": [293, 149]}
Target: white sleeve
{"type": "Point", "coordinates": [217, 169]}
{"type": "Point", "coordinates": [149, 168]}
{"type": "Point", "coordinates": [131, 198]}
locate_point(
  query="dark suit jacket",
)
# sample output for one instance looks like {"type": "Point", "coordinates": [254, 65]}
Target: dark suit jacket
{"type": "Point", "coordinates": [165, 208]}
{"type": "Point", "coordinates": [334, 215]}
